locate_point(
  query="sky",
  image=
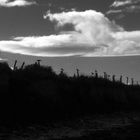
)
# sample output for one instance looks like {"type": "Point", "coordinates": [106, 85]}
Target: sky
{"type": "Point", "coordinates": [84, 34]}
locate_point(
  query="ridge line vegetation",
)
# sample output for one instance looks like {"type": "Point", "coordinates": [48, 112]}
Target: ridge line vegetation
{"type": "Point", "coordinates": [35, 93]}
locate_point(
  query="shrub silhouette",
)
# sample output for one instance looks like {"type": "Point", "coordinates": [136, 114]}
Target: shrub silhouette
{"type": "Point", "coordinates": [35, 93]}
{"type": "Point", "coordinates": [4, 68]}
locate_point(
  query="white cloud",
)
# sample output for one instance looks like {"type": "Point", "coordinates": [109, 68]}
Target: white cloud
{"type": "Point", "coordinates": [93, 35]}
{"type": "Point", "coordinates": [92, 27]}
{"type": "Point", "coordinates": [18, 3]}
{"type": "Point", "coordinates": [118, 3]}
{"type": "Point", "coordinates": [119, 7]}
{"type": "Point", "coordinates": [114, 12]}
{"type": "Point", "coordinates": [128, 9]}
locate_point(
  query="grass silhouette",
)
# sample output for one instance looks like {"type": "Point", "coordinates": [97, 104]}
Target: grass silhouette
{"type": "Point", "coordinates": [35, 94]}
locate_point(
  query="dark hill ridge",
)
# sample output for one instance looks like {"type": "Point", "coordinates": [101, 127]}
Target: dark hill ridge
{"type": "Point", "coordinates": [35, 93]}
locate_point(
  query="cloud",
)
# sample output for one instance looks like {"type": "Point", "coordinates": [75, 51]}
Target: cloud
{"type": "Point", "coordinates": [129, 9]}
{"type": "Point", "coordinates": [120, 8]}
{"type": "Point", "coordinates": [93, 34]}
{"type": "Point", "coordinates": [53, 45]}
{"type": "Point", "coordinates": [122, 3]}
{"type": "Point", "coordinates": [114, 12]}
{"type": "Point", "coordinates": [132, 8]}
{"type": "Point", "coordinates": [118, 3]}
{"type": "Point", "coordinates": [18, 3]}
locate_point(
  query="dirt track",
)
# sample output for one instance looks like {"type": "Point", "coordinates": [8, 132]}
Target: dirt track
{"type": "Point", "coordinates": [117, 126]}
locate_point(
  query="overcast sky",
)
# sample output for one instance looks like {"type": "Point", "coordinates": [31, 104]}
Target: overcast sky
{"type": "Point", "coordinates": [89, 34]}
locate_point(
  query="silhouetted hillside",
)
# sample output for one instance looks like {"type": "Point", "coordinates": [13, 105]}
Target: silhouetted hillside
{"type": "Point", "coordinates": [36, 93]}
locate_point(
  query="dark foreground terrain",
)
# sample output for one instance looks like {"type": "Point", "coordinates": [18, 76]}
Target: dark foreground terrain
{"type": "Point", "coordinates": [116, 126]}
{"type": "Point", "coordinates": [38, 104]}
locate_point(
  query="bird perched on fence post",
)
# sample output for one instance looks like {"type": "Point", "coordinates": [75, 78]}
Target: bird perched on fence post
{"type": "Point", "coordinates": [105, 75]}
{"type": "Point", "coordinates": [132, 81]}
{"type": "Point", "coordinates": [96, 74]}
{"type": "Point", "coordinates": [38, 61]}
{"type": "Point", "coordinates": [92, 74]}
{"type": "Point", "coordinates": [62, 72]}
{"type": "Point", "coordinates": [113, 78]}
{"type": "Point", "coordinates": [108, 77]}
{"type": "Point", "coordinates": [127, 80]}
{"type": "Point", "coordinates": [77, 72]}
